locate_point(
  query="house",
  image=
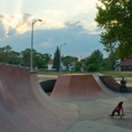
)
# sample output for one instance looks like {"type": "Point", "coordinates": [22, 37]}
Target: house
{"type": "Point", "coordinates": [116, 66]}
{"type": "Point", "coordinates": [126, 65]}
{"type": "Point", "coordinates": [50, 66]}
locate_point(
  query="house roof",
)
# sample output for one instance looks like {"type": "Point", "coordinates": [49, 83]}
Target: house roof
{"type": "Point", "coordinates": [127, 61]}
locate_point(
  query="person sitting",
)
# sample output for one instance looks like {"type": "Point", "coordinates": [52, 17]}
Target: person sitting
{"type": "Point", "coordinates": [118, 109]}
{"type": "Point", "coordinates": [123, 87]}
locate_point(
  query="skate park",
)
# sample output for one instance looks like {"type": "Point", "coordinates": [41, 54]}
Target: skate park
{"type": "Point", "coordinates": [65, 66]}
{"type": "Point", "coordinates": [78, 103]}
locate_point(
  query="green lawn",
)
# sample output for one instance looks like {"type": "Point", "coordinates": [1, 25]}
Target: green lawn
{"type": "Point", "coordinates": [116, 74]}
{"type": "Point", "coordinates": [107, 73]}
{"type": "Point", "coordinates": [44, 75]}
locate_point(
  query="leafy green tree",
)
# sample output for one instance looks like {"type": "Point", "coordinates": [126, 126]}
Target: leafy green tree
{"type": "Point", "coordinates": [92, 67]}
{"type": "Point", "coordinates": [115, 18]}
{"type": "Point", "coordinates": [15, 58]}
{"type": "Point", "coordinates": [46, 58]}
{"type": "Point", "coordinates": [2, 55]}
{"type": "Point", "coordinates": [56, 60]}
{"type": "Point", "coordinates": [69, 60]}
{"type": "Point", "coordinates": [39, 60]}
{"type": "Point", "coordinates": [105, 65]}
{"type": "Point", "coordinates": [7, 55]}
{"type": "Point", "coordinates": [26, 57]}
{"type": "Point", "coordinates": [94, 60]}
{"type": "Point", "coordinates": [83, 64]}
{"type": "Point", "coordinates": [112, 59]}
{"type": "Point", "coordinates": [78, 66]}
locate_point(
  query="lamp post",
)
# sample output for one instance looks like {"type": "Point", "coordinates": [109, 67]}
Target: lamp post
{"type": "Point", "coordinates": [32, 37]}
{"type": "Point", "coordinates": [60, 53]}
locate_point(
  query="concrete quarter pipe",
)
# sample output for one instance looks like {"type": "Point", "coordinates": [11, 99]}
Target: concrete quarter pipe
{"type": "Point", "coordinates": [25, 108]}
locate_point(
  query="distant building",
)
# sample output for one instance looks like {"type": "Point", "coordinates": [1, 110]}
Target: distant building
{"type": "Point", "coordinates": [126, 65]}
{"type": "Point", "coordinates": [62, 67]}
{"type": "Point", "coordinates": [71, 68]}
{"type": "Point", "coordinates": [117, 65]}
{"type": "Point", "coordinates": [50, 66]}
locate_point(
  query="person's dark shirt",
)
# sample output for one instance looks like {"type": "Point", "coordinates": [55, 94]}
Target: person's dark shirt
{"type": "Point", "coordinates": [123, 83]}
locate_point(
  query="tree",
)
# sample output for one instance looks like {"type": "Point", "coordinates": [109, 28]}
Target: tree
{"type": "Point", "coordinates": [46, 58]}
{"type": "Point", "coordinates": [94, 60]}
{"type": "Point", "coordinates": [56, 60]}
{"type": "Point", "coordinates": [15, 58]}
{"type": "Point", "coordinates": [26, 57]}
{"type": "Point", "coordinates": [7, 55]}
{"type": "Point", "coordinates": [115, 18]}
{"type": "Point", "coordinates": [112, 59]}
{"type": "Point", "coordinates": [78, 66]}
{"type": "Point", "coordinates": [104, 65]}
{"type": "Point", "coordinates": [39, 60]}
{"type": "Point", "coordinates": [69, 60]}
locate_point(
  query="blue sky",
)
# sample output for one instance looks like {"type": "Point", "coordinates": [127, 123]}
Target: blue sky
{"type": "Point", "coordinates": [63, 21]}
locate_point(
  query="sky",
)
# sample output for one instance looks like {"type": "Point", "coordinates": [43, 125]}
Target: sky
{"type": "Point", "coordinates": [63, 21]}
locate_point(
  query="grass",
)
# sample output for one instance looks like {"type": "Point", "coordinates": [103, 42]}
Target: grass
{"type": "Point", "coordinates": [49, 72]}
{"type": "Point", "coordinates": [107, 73]}
{"type": "Point", "coordinates": [116, 74]}
{"type": "Point", "coordinates": [51, 75]}
{"type": "Point", "coordinates": [47, 75]}
{"type": "Point", "coordinates": [45, 78]}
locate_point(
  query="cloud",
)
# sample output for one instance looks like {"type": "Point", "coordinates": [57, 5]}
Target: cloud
{"type": "Point", "coordinates": [83, 27]}
{"type": "Point", "coordinates": [52, 19]}
{"type": "Point", "coordinates": [11, 6]}
{"type": "Point", "coordinates": [69, 11]}
{"type": "Point", "coordinates": [1, 30]}
{"type": "Point", "coordinates": [79, 41]}
{"type": "Point", "coordinates": [54, 13]}
{"type": "Point", "coordinates": [17, 22]}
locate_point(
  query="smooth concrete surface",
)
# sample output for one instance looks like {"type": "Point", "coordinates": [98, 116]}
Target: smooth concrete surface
{"type": "Point", "coordinates": [24, 107]}
{"type": "Point", "coordinates": [79, 86]}
{"type": "Point", "coordinates": [94, 116]}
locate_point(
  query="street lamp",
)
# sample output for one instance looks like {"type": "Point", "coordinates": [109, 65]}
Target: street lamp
{"type": "Point", "coordinates": [32, 35]}
{"type": "Point", "coordinates": [60, 53]}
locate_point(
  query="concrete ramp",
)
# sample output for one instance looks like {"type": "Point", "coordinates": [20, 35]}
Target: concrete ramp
{"type": "Point", "coordinates": [79, 86]}
{"type": "Point", "coordinates": [24, 107]}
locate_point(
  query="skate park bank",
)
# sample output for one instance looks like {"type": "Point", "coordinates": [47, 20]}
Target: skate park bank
{"type": "Point", "coordinates": [78, 103]}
